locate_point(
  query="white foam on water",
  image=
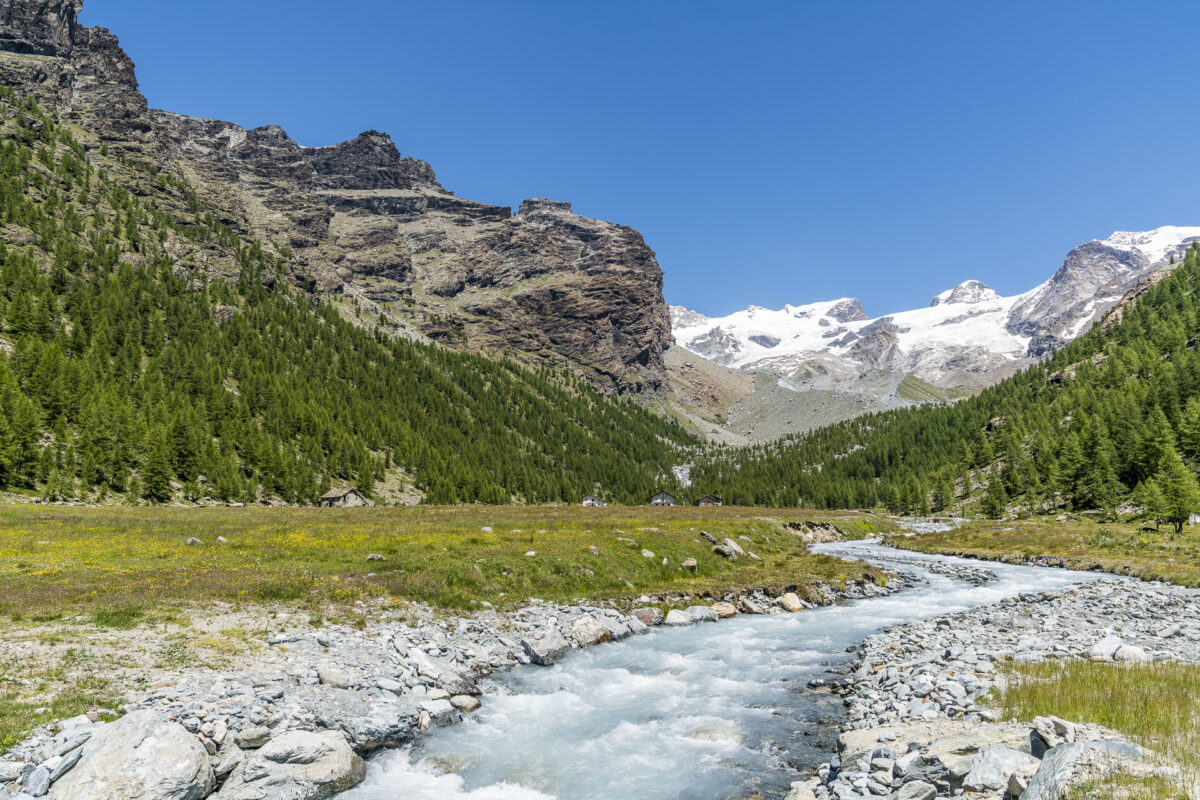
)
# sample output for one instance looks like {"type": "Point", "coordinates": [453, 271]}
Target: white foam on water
{"type": "Point", "coordinates": [709, 712]}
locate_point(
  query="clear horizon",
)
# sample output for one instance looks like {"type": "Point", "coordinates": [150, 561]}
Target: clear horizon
{"type": "Point", "coordinates": [770, 154]}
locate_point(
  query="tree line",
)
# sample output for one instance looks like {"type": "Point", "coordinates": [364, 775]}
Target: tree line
{"type": "Point", "coordinates": [1113, 417]}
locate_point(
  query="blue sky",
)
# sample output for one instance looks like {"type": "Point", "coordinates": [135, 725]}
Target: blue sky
{"type": "Point", "coordinates": [770, 152]}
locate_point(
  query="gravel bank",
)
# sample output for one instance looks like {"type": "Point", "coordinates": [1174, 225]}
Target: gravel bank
{"type": "Point", "coordinates": [297, 724]}
{"type": "Point", "coordinates": [916, 729]}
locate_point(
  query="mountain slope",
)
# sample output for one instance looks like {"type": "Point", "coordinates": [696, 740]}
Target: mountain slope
{"type": "Point", "coordinates": [360, 221]}
{"type": "Point", "coordinates": [1113, 412]}
{"type": "Point", "coordinates": [149, 349]}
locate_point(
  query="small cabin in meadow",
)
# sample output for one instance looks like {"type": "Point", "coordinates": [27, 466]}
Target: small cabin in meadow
{"type": "Point", "coordinates": [662, 499]}
{"type": "Point", "coordinates": [593, 501]}
{"type": "Point", "coordinates": [709, 500]}
{"type": "Point", "coordinates": [342, 498]}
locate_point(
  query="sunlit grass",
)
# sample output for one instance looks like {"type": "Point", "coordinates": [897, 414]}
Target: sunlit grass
{"type": "Point", "coordinates": [1119, 548]}
{"type": "Point", "coordinates": [116, 564]}
{"type": "Point", "coordinates": [1155, 705]}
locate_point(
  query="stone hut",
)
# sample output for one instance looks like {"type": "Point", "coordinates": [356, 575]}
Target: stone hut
{"type": "Point", "coordinates": [709, 500]}
{"type": "Point", "coordinates": [594, 501]}
{"type": "Point", "coordinates": [662, 499]}
{"type": "Point", "coordinates": [342, 498]}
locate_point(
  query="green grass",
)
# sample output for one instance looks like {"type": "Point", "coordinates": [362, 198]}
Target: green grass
{"type": "Point", "coordinates": [1155, 705]}
{"type": "Point", "coordinates": [23, 708]}
{"type": "Point", "coordinates": [1119, 548]}
{"type": "Point", "coordinates": [116, 564]}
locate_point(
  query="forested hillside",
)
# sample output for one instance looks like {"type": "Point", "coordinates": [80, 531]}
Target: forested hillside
{"type": "Point", "coordinates": [1116, 413]}
{"type": "Point", "coordinates": [127, 370]}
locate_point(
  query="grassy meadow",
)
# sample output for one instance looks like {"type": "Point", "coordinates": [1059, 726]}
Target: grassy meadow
{"type": "Point", "coordinates": [1118, 696]}
{"type": "Point", "coordinates": [1119, 548]}
{"type": "Point", "coordinates": [116, 564]}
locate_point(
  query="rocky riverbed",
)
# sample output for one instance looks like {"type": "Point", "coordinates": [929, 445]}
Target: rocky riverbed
{"type": "Point", "coordinates": [916, 727]}
{"type": "Point", "coordinates": [297, 724]}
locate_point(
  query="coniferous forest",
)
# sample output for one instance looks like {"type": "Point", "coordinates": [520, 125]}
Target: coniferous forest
{"type": "Point", "coordinates": [128, 372]}
{"type": "Point", "coordinates": [1114, 416]}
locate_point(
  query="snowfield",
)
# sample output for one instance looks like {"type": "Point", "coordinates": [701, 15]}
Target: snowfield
{"type": "Point", "coordinates": [968, 335]}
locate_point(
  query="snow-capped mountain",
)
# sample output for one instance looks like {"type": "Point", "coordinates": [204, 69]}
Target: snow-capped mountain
{"type": "Point", "coordinates": [969, 336]}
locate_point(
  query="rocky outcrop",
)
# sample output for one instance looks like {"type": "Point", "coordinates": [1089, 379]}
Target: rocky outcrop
{"type": "Point", "coordinates": [298, 765]}
{"type": "Point", "coordinates": [965, 293]}
{"type": "Point", "coordinates": [848, 310]}
{"type": "Point", "coordinates": [139, 756]}
{"type": "Point", "coordinates": [361, 220]}
{"type": "Point", "coordinates": [83, 72]}
{"type": "Point", "coordinates": [876, 345]}
{"type": "Point", "coordinates": [1094, 277]}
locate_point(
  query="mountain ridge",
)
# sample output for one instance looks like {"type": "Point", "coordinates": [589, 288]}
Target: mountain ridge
{"type": "Point", "coordinates": [969, 336]}
{"type": "Point", "coordinates": [359, 220]}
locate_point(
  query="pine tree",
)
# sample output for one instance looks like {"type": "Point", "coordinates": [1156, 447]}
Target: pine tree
{"type": "Point", "coordinates": [1150, 497]}
{"type": "Point", "coordinates": [156, 473]}
{"type": "Point", "coordinates": [1181, 494]}
{"type": "Point", "coordinates": [995, 501]}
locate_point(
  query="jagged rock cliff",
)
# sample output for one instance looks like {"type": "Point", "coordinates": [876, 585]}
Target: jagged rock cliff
{"type": "Point", "coordinates": [360, 220]}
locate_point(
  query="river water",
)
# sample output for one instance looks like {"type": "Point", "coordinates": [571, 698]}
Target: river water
{"type": "Point", "coordinates": [711, 712]}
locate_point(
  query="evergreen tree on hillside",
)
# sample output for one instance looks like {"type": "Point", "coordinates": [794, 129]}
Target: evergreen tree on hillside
{"type": "Point", "coordinates": [1079, 431]}
{"type": "Point", "coordinates": [125, 370]}
{"type": "Point", "coordinates": [995, 502]}
{"type": "Point", "coordinates": [1181, 495]}
{"type": "Point", "coordinates": [1149, 496]}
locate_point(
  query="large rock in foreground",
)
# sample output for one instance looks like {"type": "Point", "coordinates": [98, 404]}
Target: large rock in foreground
{"type": "Point", "coordinates": [297, 765]}
{"type": "Point", "coordinates": [139, 757]}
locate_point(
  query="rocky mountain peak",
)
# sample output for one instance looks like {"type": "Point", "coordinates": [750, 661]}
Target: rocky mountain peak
{"type": "Point", "coordinates": [39, 27]}
{"type": "Point", "coordinates": [371, 160]}
{"type": "Point", "coordinates": [1156, 245]}
{"type": "Point", "coordinates": [81, 71]}
{"type": "Point", "coordinates": [682, 317]}
{"type": "Point", "coordinates": [536, 207]}
{"type": "Point", "coordinates": [547, 286]}
{"type": "Point", "coordinates": [966, 292]}
{"type": "Point", "coordinates": [847, 310]}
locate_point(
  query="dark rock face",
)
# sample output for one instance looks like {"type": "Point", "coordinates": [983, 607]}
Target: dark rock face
{"type": "Point", "coordinates": [545, 285]}
{"type": "Point", "coordinates": [848, 311]}
{"type": "Point", "coordinates": [1092, 280]}
{"type": "Point", "coordinates": [763, 340]}
{"type": "Point", "coordinates": [43, 28]}
{"type": "Point", "coordinates": [78, 70]}
{"type": "Point", "coordinates": [877, 344]}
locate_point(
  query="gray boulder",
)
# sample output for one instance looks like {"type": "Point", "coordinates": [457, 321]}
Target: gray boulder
{"type": "Point", "coordinates": [369, 725]}
{"type": "Point", "coordinates": [252, 738]}
{"type": "Point", "coordinates": [297, 765]}
{"type": "Point", "coordinates": [139, 757]}
{"type": "Point", "coordinates": [588, 632]}
{"type": "Point", "coordinates": [546, 649]}
{"type": "Point", "coordinates": [994, 765]}
{"type": "Point", "coordinates": [1106, 648]}
{"type": "Point", "coordinates": [648, 616]}
{"type": "Point", "coordinates": [1050, 780]}
{"type": "Point", "coordinates": [38, 782]}
{"type": "Point", "coordinates": [676, 617]}
{"type": "Point", "coordinates": [916, 790]}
